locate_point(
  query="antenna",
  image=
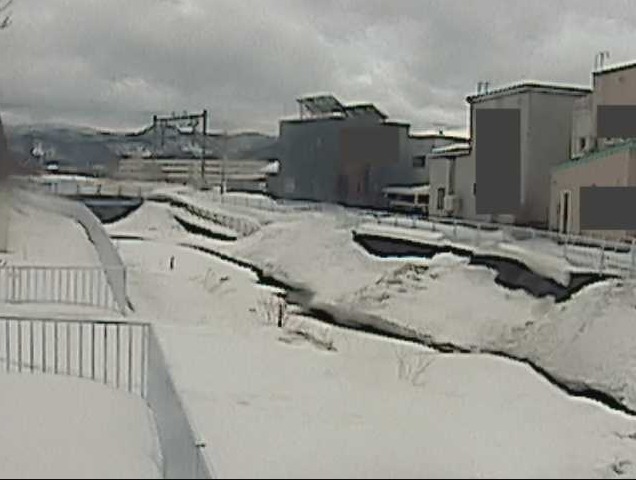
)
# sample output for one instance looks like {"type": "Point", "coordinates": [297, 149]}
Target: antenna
{"type": "Point", "coordinates": [599, 59]}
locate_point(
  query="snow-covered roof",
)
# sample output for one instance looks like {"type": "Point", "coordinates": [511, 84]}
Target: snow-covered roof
{"type": "Point", "coordinates": [453, 147]}
{"type": "Point", "coordinates": [272, 168]}
{"type": "Point", "coordinates": [525, 85]}
{"type": "Point", "coordinates": [452, 150]}
{"type": "Point", "coordinates": [615, 68]}
{"type": "Point", "coordinates": [407, 190]}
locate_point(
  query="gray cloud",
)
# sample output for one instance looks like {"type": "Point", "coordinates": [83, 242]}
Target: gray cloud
{"type": "Point", "coordinates": [113, 63]}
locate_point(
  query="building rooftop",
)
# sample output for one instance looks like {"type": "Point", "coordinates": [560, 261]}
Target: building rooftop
{"type": "Point", "coordinates": [326, 105]}
{"type": "Point", "coordinates": [615, 68]}
{"type": "Point", "coordinates": [598, 155]}
{"type": "Point", "coordinates": [530, 85]}
{"type": "Point", "coordinates": [364, 110]}
{"type": "Point", "coordinates": [407, 189]}
{"type": "Point", "coordinates": [453, 150]}
{"type": "Point", "coordinates": [435, 135]}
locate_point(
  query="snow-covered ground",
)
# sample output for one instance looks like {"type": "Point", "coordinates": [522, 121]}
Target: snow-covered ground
{"type": "Point", "coordinates": [587, 341]}
{"type": "Point", "coordinates": [316, 400]}
{"type": "Point", "coordinates": [43, 238]}
{"type": "Point", "coordinates": [58, 427]}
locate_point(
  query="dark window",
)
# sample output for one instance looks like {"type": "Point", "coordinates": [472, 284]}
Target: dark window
{"type": "Point", "coordinates": [581, 143]}
{"type": "Point", "coordinates": [422, 199]}
{"type": "Point", "coordinates": [419, 162]}
{"type": "Point", "coordinates": [407, 198]}
{"type": "Point", "coordinates": [474, 189]}
{"type": "Point", "coordinates": [441, 192]}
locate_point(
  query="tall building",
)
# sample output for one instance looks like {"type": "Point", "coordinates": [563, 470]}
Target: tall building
{"type": "Point", "coordinates": [545, 130]}
{"type": "Point", "coordinates": [341, 153]}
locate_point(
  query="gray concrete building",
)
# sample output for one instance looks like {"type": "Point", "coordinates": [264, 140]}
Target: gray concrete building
{"type": "Point", "coordinates": [546, 125]}
{"type": "Point", "coordinates": [337, 153]}
{"type": "Point", "coordinates": [348, 153]}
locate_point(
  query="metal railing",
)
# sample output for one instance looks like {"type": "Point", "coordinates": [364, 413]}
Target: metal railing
{"type": "Point", "coordinates": [57, 284]}
{"type": "Point", "coordinates": [87, 188]}
{"type": "Point", "coordinates": [110, 352]}
{"type": "Point", "coordinates": [242, 225]}
{"type": "Point", "coordinates": [597, 254]}
{"type": "Point", "coordinates": [594, 253]}
{"type": "Point", "coordinates": [183, 449]}
{"type": "Point", "coordinates": [123, 355]}
{"type": "Point", "coordinates": [112, 264]}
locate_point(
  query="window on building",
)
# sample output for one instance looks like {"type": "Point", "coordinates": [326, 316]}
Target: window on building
{"type": "Point", "coordinates": [422, 199]}
{"type": "Point", "coordinates": [407, 198]}
{"type": "Point", "coordinates": [441, 192]}
{"type": "Point", "coordinates": [474, 188]}
{"type": "Point", "coordinates": [582, 144]}
{"type": "Point", "coordinates": [419, 162]}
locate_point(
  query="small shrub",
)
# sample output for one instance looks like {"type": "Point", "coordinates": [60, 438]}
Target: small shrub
{"type": "Point", "coordinates": [273, 310]}
{"type": "Point", "coordinates": [412, 366]}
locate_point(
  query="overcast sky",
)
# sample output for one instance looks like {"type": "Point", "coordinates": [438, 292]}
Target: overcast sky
{"type": "Point", "coordinates": [112, 63]}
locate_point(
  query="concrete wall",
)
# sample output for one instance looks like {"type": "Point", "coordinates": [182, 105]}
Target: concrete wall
{"type": "Point", "coordinates": [315, 167]}
{"type": "Point", "coordinates": [423, 145]}
{"type": "Point", "coordinates": [546, 125]}
{"type": "Point", "coordinates": [548, 144]}
{"type": "Point", "coordinates": [582, 126]}
{"type": "Point", "coordinates": [612, 168]}
{"type": "Point", "coordinates": [440, 176]}
{"type": "Point", "coordinates": [310, 157]}
{"type": "Point", "coordinates": [613, 88]}
{"type": "Point", "coordinates": [465, 170]}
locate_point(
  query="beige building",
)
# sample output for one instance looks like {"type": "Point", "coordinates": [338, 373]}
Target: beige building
{"type": "Point", "coordinates": [611, 86]}
{"type": "Point", "coordinates": [611, 167]}
{"type": "Point", "coordinates": [546, 126]}
{"type": "Point", "coordinates": [602, 162]}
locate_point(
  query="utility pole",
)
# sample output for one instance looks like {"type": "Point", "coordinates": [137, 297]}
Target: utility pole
{"type": "Point", "coordinates": [223, 164]}
{"type": "Point", "coordinates": [194, 119]}
{"type": "Point", "coordinates": [203, 143]}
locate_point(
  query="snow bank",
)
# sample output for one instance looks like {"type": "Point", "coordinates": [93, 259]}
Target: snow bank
{"type": "Point", "coordinates": [35, 237]}
{"type": "Point", "coordinates": [272, 404]}
{"type": "Point", "coordinates": [586, 341]}
{"type": "Point", "coordinates": [548, 266]}
{"type": "Point", "coordinates": [57, 427]}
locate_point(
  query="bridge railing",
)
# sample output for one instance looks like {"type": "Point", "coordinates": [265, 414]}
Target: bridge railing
{"type": "Point", "coordinates": [120, 354]}
{"type": "Point", "coordinates": [597, 254]}
{"type": "Point", "coordinates": [112, 264]}
{"type": "Point", "coordinates": [58, 284]}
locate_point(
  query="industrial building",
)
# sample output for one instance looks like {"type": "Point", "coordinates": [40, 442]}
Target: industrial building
{"type": "Point", "coordinates": [348, 154]}
{"type": "Point", "coordinates": [595, 160]}
{"type": "Point", "coordinates": [239, 174]}
{"type": "Point", "coordinates": [443, 164]}
{"type": "Point", "coordinates": [546, 125]}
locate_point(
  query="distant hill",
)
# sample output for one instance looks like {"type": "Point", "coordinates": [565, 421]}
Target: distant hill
{"type": "Point", "coordinates": [86, 147]}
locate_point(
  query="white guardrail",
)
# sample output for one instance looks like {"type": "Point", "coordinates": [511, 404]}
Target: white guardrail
{"type": "Point", "coordinates": [122, 355]}
{"type": "Point", "coordinates": [112, 263]}
{"type": "Point", "coordinates": [598, 254]}
{"type": "Point", "coordinates": [601, 255]}
{"type": "Point", "coordinates": [57, 284]}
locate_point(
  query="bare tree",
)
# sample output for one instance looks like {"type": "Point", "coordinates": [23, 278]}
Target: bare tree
{"type": "Point", "coordinates": [5, 14]}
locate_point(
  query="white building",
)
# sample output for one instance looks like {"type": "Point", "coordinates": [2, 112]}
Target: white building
{"type": "Point", "coordinates": [546, 125]}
